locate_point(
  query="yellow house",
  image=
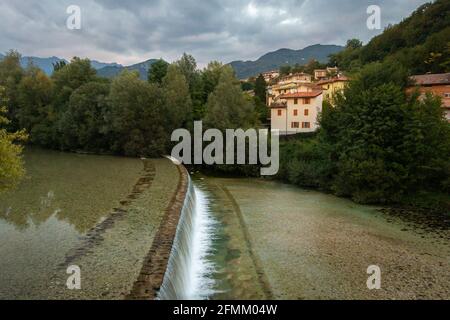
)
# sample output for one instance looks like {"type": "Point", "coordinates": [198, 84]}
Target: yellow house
{"type": "Point", "coordinates": [332, 86]}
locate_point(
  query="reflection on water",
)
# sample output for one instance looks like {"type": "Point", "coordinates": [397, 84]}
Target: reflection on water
{"type": "Point", "coordinates": [62, 197]}
{"type": "Point", "coordinates": [78, 189]}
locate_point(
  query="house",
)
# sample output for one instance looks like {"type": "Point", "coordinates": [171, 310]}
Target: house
{"type": "Point", "coordinates": [438, 84]}
{"type": "Point", "coordinates": [300, 77]}
{"type": "Point", "coordinates": [332, 86]}
{"type": "Point", "coordinates": [288, 84]}
{"type": "Point", "coordinates": [322, 74]}
{"type": "Point", "coordinates": [270, 76]}
{"type": "Point", "coordinates": [296, 111]}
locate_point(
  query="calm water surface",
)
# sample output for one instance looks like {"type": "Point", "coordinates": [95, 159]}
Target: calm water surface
{"type": "Point", "coordinates": [62, 197]}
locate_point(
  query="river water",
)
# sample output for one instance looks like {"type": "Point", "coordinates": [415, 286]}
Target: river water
{"type": "Point", "coordinates": [238, 238]}
{"type": "Point", "coordinates": [276, 241]}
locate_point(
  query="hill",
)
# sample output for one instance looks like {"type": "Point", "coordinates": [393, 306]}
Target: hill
{"type": "Point", "coordinates": [274, 60]}
{"type": "Point", "coordinates": [420, 43]}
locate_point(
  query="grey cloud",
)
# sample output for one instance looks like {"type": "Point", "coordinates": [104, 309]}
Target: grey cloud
{"type": "Point", "coordinates": [135, 30]}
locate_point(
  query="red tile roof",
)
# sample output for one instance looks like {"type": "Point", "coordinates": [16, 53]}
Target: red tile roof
{"type": "Point", "coordinates": [431, 79]}
{"type": "Point", "coordinates": [311, 94]}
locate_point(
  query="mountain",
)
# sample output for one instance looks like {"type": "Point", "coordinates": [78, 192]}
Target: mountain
{"type": "Point", "coordinates": [274, 60]}
{"type": "Point", "coordinates": [112, 71]}
{"type": "Point", "coordinates": [46, 64]}
{"type": "Point", "coordinates": [100, 65]}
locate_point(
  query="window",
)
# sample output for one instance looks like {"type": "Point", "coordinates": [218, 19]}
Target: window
{"type": "Point", "coordinates": [280, 113]}
{"type": "Point", "coordinates": [295, 112]}
{"type": "Point", "coordinates": [307, 101]}
{"type": "Point", "coordinates": [446, 95]}
{"type": "Point", "coordinates": [295, 101]}
{"type": "Point", "coordinates": [306, 125]}
{"type": "Point", "coordinates": [306, 112]}
{"type": "Point", "coordinates": [295, 125]}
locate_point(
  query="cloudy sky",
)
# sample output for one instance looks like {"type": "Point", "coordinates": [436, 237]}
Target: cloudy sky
{"type": "Point", "coordinates": [135, 30]}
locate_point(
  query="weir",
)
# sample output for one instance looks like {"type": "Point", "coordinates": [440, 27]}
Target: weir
{"type": "Point", "coordinates": [187, 274]}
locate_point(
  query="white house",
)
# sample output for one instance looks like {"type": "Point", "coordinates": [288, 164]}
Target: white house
{"type": "Point", "coordinates": [297, 112]}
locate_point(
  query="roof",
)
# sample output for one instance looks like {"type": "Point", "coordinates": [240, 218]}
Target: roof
{"type": "Point", "coordinates": [431, 79]}
{"type": "Point", "coordinates": [311, 94]}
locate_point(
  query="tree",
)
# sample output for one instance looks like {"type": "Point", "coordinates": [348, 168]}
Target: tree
{"type": "Point", "coordinates": [211, 76]}
{"type": "Point", "coordinates": [385, 145]}
{"type": "Point", "coordinates": [188, 67]}
{"type": "Point", "coordinates": [261, 88]}
{"type": "Point", "coordinates": [137, 117]}
{"type": "Point", "coordinates": [227, 106]}
{"type": "Point", "coordinates": [35, 92]}
{"type": "Point", "coordinates": [85, 123]}
{"type": "Point", "coordinates": [177, 100]}
{"type": "Point", "coordinates": [59, 65]}
{"type": "Point", "coordinates": [69, 78]}
{"type": "Point", "coordinates": [11, 73]}
{"type": "Point", "coordinates": [11, 164]}
{"type": "Point", "coordinates": [158, 71]}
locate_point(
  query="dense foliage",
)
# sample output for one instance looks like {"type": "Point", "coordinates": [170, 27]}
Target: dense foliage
{"type": "Point", "coordinates": [11, 166]}
{"type": "Point", "coordinates": [75, 110]}
{"type": "Point", "coordinates": [421, 43]}
{"type": "Point", "coordinates": [377, 144]}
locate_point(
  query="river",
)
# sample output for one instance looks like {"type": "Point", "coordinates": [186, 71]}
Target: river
{"type": "Point", "coordinates": [246, 239]}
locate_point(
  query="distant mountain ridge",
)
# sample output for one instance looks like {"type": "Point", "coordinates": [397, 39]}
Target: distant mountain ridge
{"type": "Point", "coordinates": [244, 69]}
{"type": "Point", "coordinates": [142, 68]}
{"type": "Point", "coordinates": [46, 64]}
{"type": "Point", "coordinates": [274, 60]}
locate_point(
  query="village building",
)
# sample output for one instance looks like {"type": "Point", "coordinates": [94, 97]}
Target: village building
{"type": "Point", "coordinates": [437, 84]}
{"type": "Point", "coordinates": [333, 86]}
{"type": "Point", "coordinates": [270, 76]}
{"type": "Point", "coordinates": [297, 110]}
{"type": "Point", "coordinates": [322, 74]}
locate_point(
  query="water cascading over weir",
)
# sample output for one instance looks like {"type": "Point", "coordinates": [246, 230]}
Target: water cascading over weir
{"type": "Point", "coordinates": [187, 272]}
{"type": "Point", "coordinates": [177, 266]}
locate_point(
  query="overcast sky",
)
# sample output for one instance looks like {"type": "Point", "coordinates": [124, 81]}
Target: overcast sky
{"type": "Point", "coordinates": [132, 31]}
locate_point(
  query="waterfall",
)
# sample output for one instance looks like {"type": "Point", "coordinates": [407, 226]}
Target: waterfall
{"type": "Point", "coordinates": [187, 272]}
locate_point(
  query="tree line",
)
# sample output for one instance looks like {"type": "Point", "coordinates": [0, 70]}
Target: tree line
{"type": "Point", "coordinates": [376, 144]}
{"type": "Point", "coordinates": [75, 110]}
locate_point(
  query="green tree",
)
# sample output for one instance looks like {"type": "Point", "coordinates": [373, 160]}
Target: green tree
{"type": "Point", "coordinates": [59, 65]}
{"type": "Point", "coordinates": [137, 117]}
{"type": "Point", "coordinates": [69, 78]}
{"type": "Point", "coordinates": [261, 88]}
{"type": "Point", "coordinates": [35, 92]}
{"type": "Point", "coordinates": [158, 71]}
{"type": "Point", "coordinates": [177, 100]}
{"type": "Point", "coordinates": [384, 144]}
{"type": "Point", "coordinates": [227, 107]}
{"type": "Point", "coordinates": [11, 164]}
{"type": "Point", "coordinates": [188, 67]}
{"type": "Point", "coordinates": [85, 123]}
{"type": "Point", "coordinates": [11, 74]}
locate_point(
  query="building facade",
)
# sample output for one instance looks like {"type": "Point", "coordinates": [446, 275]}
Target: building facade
{"type": "Point", "coordinates": [437, 84]}
{"type": "Point", "coordinates": [297, 112]}
{"type": "Point", "coordinates": [333, 86]}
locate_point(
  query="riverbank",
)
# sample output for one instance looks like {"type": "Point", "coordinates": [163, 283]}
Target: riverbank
{"type": "Point", "coordinates": [309, 245]}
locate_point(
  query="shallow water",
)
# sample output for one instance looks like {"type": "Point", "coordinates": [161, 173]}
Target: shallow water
{"type": "Point", "coordinates": [62, 197]}
{"type": "Point", "coordinates": [278, 241]}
